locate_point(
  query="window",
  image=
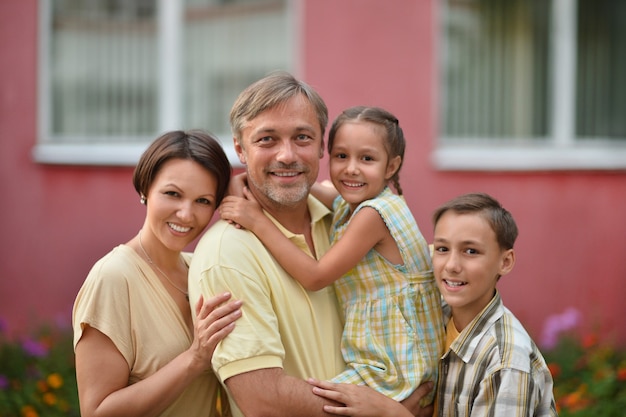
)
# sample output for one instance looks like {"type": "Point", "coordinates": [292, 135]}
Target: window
{"type": "Point", "coordinates": [116, 73]}
{"type": "Point", "coordinates": [532, 84]}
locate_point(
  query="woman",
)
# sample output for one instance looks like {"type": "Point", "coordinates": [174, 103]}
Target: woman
{"type": "Point", "coordinates": [138, 352]}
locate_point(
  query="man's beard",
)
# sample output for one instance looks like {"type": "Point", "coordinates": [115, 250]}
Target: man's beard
{"type": "Point", "coordinates": [285, 195]}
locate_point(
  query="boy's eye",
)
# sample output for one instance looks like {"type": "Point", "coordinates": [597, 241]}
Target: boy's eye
{"type": "Point", "coordinates": [368, 158]}
{"type": "Point", "coordinates": [471, 251]}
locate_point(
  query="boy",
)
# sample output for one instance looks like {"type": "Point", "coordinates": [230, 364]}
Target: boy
{"type": "Point", "coordinates": [490, 367]}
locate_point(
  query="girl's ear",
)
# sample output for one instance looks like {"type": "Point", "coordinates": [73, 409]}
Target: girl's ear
{"type": "Point", "coordinates": [393, 166]}
{"type": "Point", "coordinates": [507, 262]}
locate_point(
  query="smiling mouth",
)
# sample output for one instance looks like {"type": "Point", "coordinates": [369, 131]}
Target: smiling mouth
{"type": "Point", "coordinates": [178, 228]}
{"type": "Point", "coordinates": [353, 184]}
{"type": "Point", "coordinates": [454, 284]}
{"type": "Point", "coordinates": [285, 174]}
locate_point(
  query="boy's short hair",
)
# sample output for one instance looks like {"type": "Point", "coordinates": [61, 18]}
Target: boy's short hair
{"type": "Point", "coordinates": [500, 220]}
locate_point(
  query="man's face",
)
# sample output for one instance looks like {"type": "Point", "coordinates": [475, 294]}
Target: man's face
{"type": "Point", "coordinates": [281, 148]}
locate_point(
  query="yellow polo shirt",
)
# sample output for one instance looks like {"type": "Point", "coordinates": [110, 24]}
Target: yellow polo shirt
{"type": "Point", "coordinates": [283, 325]}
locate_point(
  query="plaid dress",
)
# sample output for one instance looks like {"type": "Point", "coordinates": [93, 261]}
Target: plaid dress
{"type": "Point", "coordinates": [394, 332]}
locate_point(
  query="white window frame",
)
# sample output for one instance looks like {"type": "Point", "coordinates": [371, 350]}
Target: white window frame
{"type": "Point", "coordinates": [170, 21]}
{"type": "Point", "coordinates": [562, 151]}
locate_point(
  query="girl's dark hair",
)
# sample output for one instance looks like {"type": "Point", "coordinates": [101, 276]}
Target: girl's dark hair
{"type": "Point", "coordinates": [195, 145]}
{"type": "Point", "coordinates": [394, 141]}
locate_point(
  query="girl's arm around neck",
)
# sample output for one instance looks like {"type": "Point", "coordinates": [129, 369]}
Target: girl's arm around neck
{"type": "Point", "coordinates": [364, 232]}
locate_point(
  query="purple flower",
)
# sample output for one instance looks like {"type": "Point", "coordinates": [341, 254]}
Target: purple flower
{"type": "Point", "coordinates": [3, 325]}
{"type": "Point", "coordinates": [34, 348]}
{"type": "Point", "coordinates": [557, 323]}
{"type": "Point", "coordinates": [4, 382]}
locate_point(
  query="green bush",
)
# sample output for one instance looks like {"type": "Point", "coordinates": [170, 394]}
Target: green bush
{"type": "Point", "coordinates": [589, 377]}
{"type": "Point", "coordinates": [37, 375]}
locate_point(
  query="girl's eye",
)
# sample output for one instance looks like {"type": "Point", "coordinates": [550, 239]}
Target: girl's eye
{"type": "Point", "coordinates": [441, 249]}
{"type": "Point", "coordinates": [341, 156]}
{"type": "Point", "coordinates": [368, 158]}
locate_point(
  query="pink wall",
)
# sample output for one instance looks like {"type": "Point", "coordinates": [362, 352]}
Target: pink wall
{"type": "Point", "coordinates": [57, 221]}
{"type": "Point", "coordinates": [572, 226]}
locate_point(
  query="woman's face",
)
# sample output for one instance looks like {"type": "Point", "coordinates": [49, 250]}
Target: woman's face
{"type": "Point", "coordinates": [180, 203]}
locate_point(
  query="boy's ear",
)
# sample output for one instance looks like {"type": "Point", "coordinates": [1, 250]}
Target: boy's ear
{"type": "Point", "coordinates": [507, 261]}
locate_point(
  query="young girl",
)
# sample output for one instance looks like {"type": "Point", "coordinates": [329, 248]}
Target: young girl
{"type": "Point", "coordinates": [379, 262]}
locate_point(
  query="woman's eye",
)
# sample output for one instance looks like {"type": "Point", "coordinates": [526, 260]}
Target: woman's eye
{"type": "Point", "coordinates": [171, 193]}
{"type": "Point", "coordinates": [204, 201]}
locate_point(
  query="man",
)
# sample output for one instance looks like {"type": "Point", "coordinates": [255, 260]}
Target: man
{"type": "Point", "coordinates": [286, 333]}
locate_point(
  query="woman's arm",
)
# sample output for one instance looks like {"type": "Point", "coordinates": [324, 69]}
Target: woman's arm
{"type": "Point", "coordinates": [365, 230]}
{"type": "Point", "coordinates": [102, 372]}
{"type": "Point", "coordinates": [362, 401]}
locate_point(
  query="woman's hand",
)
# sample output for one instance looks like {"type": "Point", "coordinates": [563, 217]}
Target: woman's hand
{"type": "Point", "coordinates": [358, 400]}
{"type": "Point", "coordinates": [362, 401]}
{"type": "Point", "coordinates": [215, 319]}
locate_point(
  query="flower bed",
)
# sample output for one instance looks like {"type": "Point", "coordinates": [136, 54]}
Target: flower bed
{"type": "Point", "coordinates": [37, 375]}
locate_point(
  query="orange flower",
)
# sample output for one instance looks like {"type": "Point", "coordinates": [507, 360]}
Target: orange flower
{"type": "Point", "coordinates": [42, 386]}
{"type": "Point", "coordinates": [55, 380]}
{"type": "Point", "coordinates": [49, 398]}
{"type": "Point", "coordinates": [29, 411]}
{"type": "Point", "coordinates": [589, 340]}
{"type": "Point", "coordinates": [577, 400]}
{"type": "Point", "coordinates": [621, 373]}
{"type": "Point", "coordinates": [555, 369]}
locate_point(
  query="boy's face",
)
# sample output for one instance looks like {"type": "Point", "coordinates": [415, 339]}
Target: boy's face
{"type": "Point", "coordinates": [467, 262]}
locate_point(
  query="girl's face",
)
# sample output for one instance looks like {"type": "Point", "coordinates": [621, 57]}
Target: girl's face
{"type": "Point", "coordinates": [359, 164]}
{"type": "Point", "coordinates": [180, 203]}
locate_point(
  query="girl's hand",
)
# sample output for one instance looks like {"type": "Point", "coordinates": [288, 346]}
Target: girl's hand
{"type": "Point", "coordinates": [237, 184]}
{"type": "Point", "coordinates": [242, 212]}
{"type": "Point", "coordinates": [215, 319]}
